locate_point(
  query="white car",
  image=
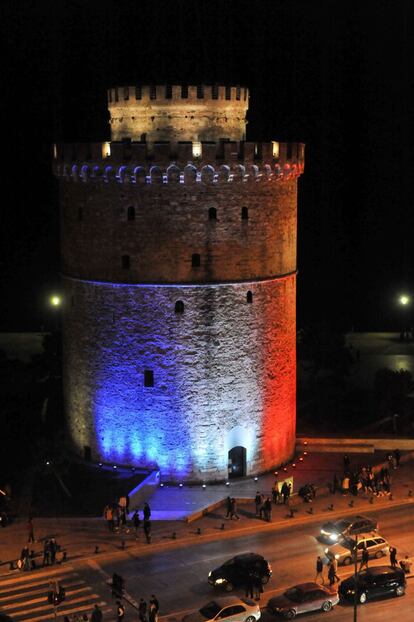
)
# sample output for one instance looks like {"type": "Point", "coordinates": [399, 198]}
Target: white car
{"type": "Point", "coordinates": [230, 609]}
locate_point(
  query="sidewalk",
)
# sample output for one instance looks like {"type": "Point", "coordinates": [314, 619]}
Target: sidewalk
{"type": "Point", "coordinates": [79, 537]}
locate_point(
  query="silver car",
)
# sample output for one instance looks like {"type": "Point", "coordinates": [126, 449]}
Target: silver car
{"type": "Point", "coordinates": [303, 598]}
{"type": "Point", "coordinates": [375, 544]}
{"type": "Point", "coordinates": [230, 609]}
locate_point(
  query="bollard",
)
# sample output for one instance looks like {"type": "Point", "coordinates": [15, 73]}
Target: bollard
{"type": "Point", "coordinates": [331, 507]}
{"type": "Point", "coordinates": [351, 503]}
{"type": "Point", "coordinates": [310, 511]}
{"type": "Point", "coordinates": [222, 527]}
{"type": "Point", "coordinates": [198, 531]}
{"type": "Point", "coordinates": [410, 493]}
{"type": "Point", "coordinates": [96, 549]}
{"type": "Point", "coordinates": [174, 535]}
{"type": "Point", "coordinates": [64, 556]}
{"type": "Point", "coordinates": [371, 499]}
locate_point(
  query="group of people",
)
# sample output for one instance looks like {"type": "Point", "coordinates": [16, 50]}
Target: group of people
{"type": "Point", "coordinates": [95, 616]}
{"type": "Point", "coordinates": [332, 571]}
{"type": "Point", "coordinates": [263, 503]}
{"type": "Point", "coordinates": [116, 517]}
{"type": "Point", "coordinates": [147, 612]}
{"type": "Point", "coordinates": [363, 478]}
{"type": "Point", "coordinates": [27, 560]}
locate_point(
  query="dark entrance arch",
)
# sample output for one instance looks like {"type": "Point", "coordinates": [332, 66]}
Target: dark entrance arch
{"type": "Point", "coordinates": [237, 461]}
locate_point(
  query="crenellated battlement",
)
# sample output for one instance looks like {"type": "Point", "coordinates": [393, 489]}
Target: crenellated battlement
{"type": "Point", "coordinates": [187, 162]}
{"type": "Point", "coordinates": [170, 94]}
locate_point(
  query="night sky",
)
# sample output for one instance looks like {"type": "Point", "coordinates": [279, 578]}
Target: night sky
{"type": "Point", "coordinates": [335, 75]}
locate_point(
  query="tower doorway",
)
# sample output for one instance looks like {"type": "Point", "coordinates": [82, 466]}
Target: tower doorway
{"type": "Point", "coordinates": [237, 462]}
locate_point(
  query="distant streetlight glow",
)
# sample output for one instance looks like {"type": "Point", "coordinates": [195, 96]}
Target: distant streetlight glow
{"type": "Point", "coordinates": [404, 300]}
{"type": "Point", "coordinates": [55, 301]}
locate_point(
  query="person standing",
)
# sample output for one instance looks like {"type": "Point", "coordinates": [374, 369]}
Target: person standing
{"type": "Point", "coordinates": [258, 585]}
{"type": "Point", "coordinates": [335, 484]}
{"type": "Point", "coordinates": [331, 574]}
{"type": "Point", "coordinates": [397, 455]}
{"type": "Point", "coordinates": [267, 510]}
{"type": "Point", "coordinates": [319, 570]}
{"type": "Point", "coordinates": [147, 512]}
{"type": "Point", "coordinates": [156, 606]}
{"type": "Point", "coordinates": [233, 511]}
{"type": "Point", "coordinates": [30, 530]}
{"type": "Point", "coordinates": [147, 530]}
{"type": "Point", "coordinates": [275, 493]}
{"type": "Point", "coordinates": [120, 611]}
{"type": "Point", "coordinates": [364, 559]}
{"type": "Point", "coordinates": [393, 556]}
{"type": "Point", "coordinates": [136, 521]}
{"type": "Point", "coordinates": [285, 492]}
{"type": "Point", "coordinates": [46, 553]}
{"type": "Point", "coordinates": [345, 485]}
{"type": "Point", "coordinates": [142, 610]}
{"type": "Point", "coordinates": [250, 585]}
{"type": "Point", "coordinates": [53, 550]}
{"type": "Point", "coordinates": [258, 502]}
{"type": "Point", "coordinates": [228, 508]}
{"type": "Point", "coordinates": [97, 615]}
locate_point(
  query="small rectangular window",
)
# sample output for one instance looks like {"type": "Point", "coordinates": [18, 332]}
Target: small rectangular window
{"type": "Point", "coordinates": [153, 92]}
{"type": "Point", "coordinates": [148, 378]}
{"type": "Point", "coordinates": [116, 94]}
{"type": "Point", "coordinates": [214, 91]}
{"type": "Point", "coordinates": [168, 91]}
{"type": "Point", "coordinates": [245, 93]}
{"type": "Point", "coordinates": [200, 91]}
{"type": "Point", "coordinates": [138, 92]}
{"type": "Point", "coordinates": [184, 91]}
{"type": "Point", "coordinates": [289, 151]}
{"type": "Point", "coordinates": [228, 92]}
{"type": "Point", "coordinates": [126, 93]}
{"type": "Point", "coordinates": [110, 95]}
{"type": "Point", "coordinates": [238, 90]}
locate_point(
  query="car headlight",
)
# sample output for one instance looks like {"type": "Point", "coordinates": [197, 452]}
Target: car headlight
{"type": "Point", "coordinates": [326, 550]}
{"type": "Point", "coordinates": [350, 591]}
{"type": "Point", "coordinates": [220, 581]}
{"type": "Point", "coordinates": [209, 574]}
{"type": "Point", "coordinates": [333, 536]}
{"type": "Point", "coordinates": [337, 556]}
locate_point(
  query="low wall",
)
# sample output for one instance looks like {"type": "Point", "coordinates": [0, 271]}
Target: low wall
{"type": "Point", "coordinates": [353, 445]}
{"type": "Point", "coordinates": [141, 493]}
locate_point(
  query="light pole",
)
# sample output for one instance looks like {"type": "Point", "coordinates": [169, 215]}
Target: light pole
{"type": "Point", "coordinates": [356, 579]}
{"type": "Point", "coordinates": [404, 302]}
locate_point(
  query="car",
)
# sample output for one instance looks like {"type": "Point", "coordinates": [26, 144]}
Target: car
{"type": "Point", "coordinates": [335, 530]}
{"type": "Point", "coordinates": [230, 608]}
{"type": "Point", "coordinates": [376, 546]}
{"type": "Point", "coordinates": [374, 582]}
{"type": "Point", "coordinates": [235, 571]}
{"type": "Point", "coordinates": [303, 598]}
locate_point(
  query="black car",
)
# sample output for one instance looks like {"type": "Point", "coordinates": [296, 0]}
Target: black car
{"type": "Point", "coordinates": [235, 571]}
{"type": "Point", "coordinates": [374, 582]}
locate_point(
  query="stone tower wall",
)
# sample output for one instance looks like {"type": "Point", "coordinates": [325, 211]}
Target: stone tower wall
{"type": "Point", "coordinates": [154, 113]}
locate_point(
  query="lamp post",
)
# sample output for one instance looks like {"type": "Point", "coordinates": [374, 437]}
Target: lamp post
{"type": "Point", "coordinates": [55, 301]}
{"type": "Point", "coordinates": [404, 302]}
{"type": "Point", "coordinates": [356, 578]}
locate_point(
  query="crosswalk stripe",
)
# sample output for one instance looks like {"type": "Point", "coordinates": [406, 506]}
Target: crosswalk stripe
{"type": "Point", "coordinates": [34, 601]}
{"type": "Point", "coordinates": [16, 588]}
{"type": "Point", "coordinates": [47, 607]}
{"type": "Point", "coordinates": [41, 590]}
{"type": "Point", "coordinates": [65, 612]}
{"type": "Point", "coordinates": [39, 573]}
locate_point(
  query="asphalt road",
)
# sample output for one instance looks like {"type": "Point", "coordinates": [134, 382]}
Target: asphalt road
{"type": "Point", "coordinates": [179, 577]}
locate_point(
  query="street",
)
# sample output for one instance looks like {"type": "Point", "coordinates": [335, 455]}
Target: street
{"type": "Point", "coordinates": [179, 576]}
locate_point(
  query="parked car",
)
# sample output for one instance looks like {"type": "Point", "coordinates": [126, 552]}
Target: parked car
{"type": "Point", "coordinates": [236, 570]}
{"type": "Point", "coordinates": [374, 582]}
{"type": "Point", "coordinates": [230, 608]}
{"type": "Point", "coordinates": [334, 530]}
{"type": "Point", "coordinates": [303, 598]}
{"type": "Point", "coordinates": [376, 545]}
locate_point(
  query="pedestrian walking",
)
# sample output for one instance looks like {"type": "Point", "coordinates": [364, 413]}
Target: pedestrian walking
{"type": "Point", "coordinates": [228, 508]}
{"type": "Point", "coordinates": [258, 502]}
{"type": "Point", "coordinates": [53, 547]}
{"type": "Point", "coordinates": [147, 530]}
{"type": "Point", "coordinates": [319, 570]}
{"type": "Point", "coordinates": [364, 558]}
{"type": "Point", "coordinates": [97, 615]}
{"type": "Point", "coordinates": [147, 512]}
{"type": "Point", "coordinates": [46, 553]}
{"type": "Point", "coordinates": [142, 610]}
{"type": "Point", "coordinates": [405, 564]}
{"type": "Point", "coordinates": [335, 484]}
{"type": "Point", "coordinates": [285, 492]}
{"type": "Point", "coordinates": [334, 564]}
{"type": "Point", "coordinates": [120, 611]}
{"type": "Point", "coordinates": [233, 511]}
{"type": "Point", "coordinates": [393, 556]}
{"type": "Point", "coordinates": [109, 517]}
{"type": "Point", "coordinates": [30, 530]}
{"type": "Point", "coordinates": [345, 485]}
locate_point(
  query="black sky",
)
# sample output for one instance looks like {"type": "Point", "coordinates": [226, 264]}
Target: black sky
{"type": "Point", "coordinates": [336, 75]}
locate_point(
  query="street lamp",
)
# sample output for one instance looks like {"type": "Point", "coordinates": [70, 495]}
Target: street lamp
{"type": "Point", "coordinates": [55, 301]}
{"type": "Point", "coordinates": [404, 302]}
